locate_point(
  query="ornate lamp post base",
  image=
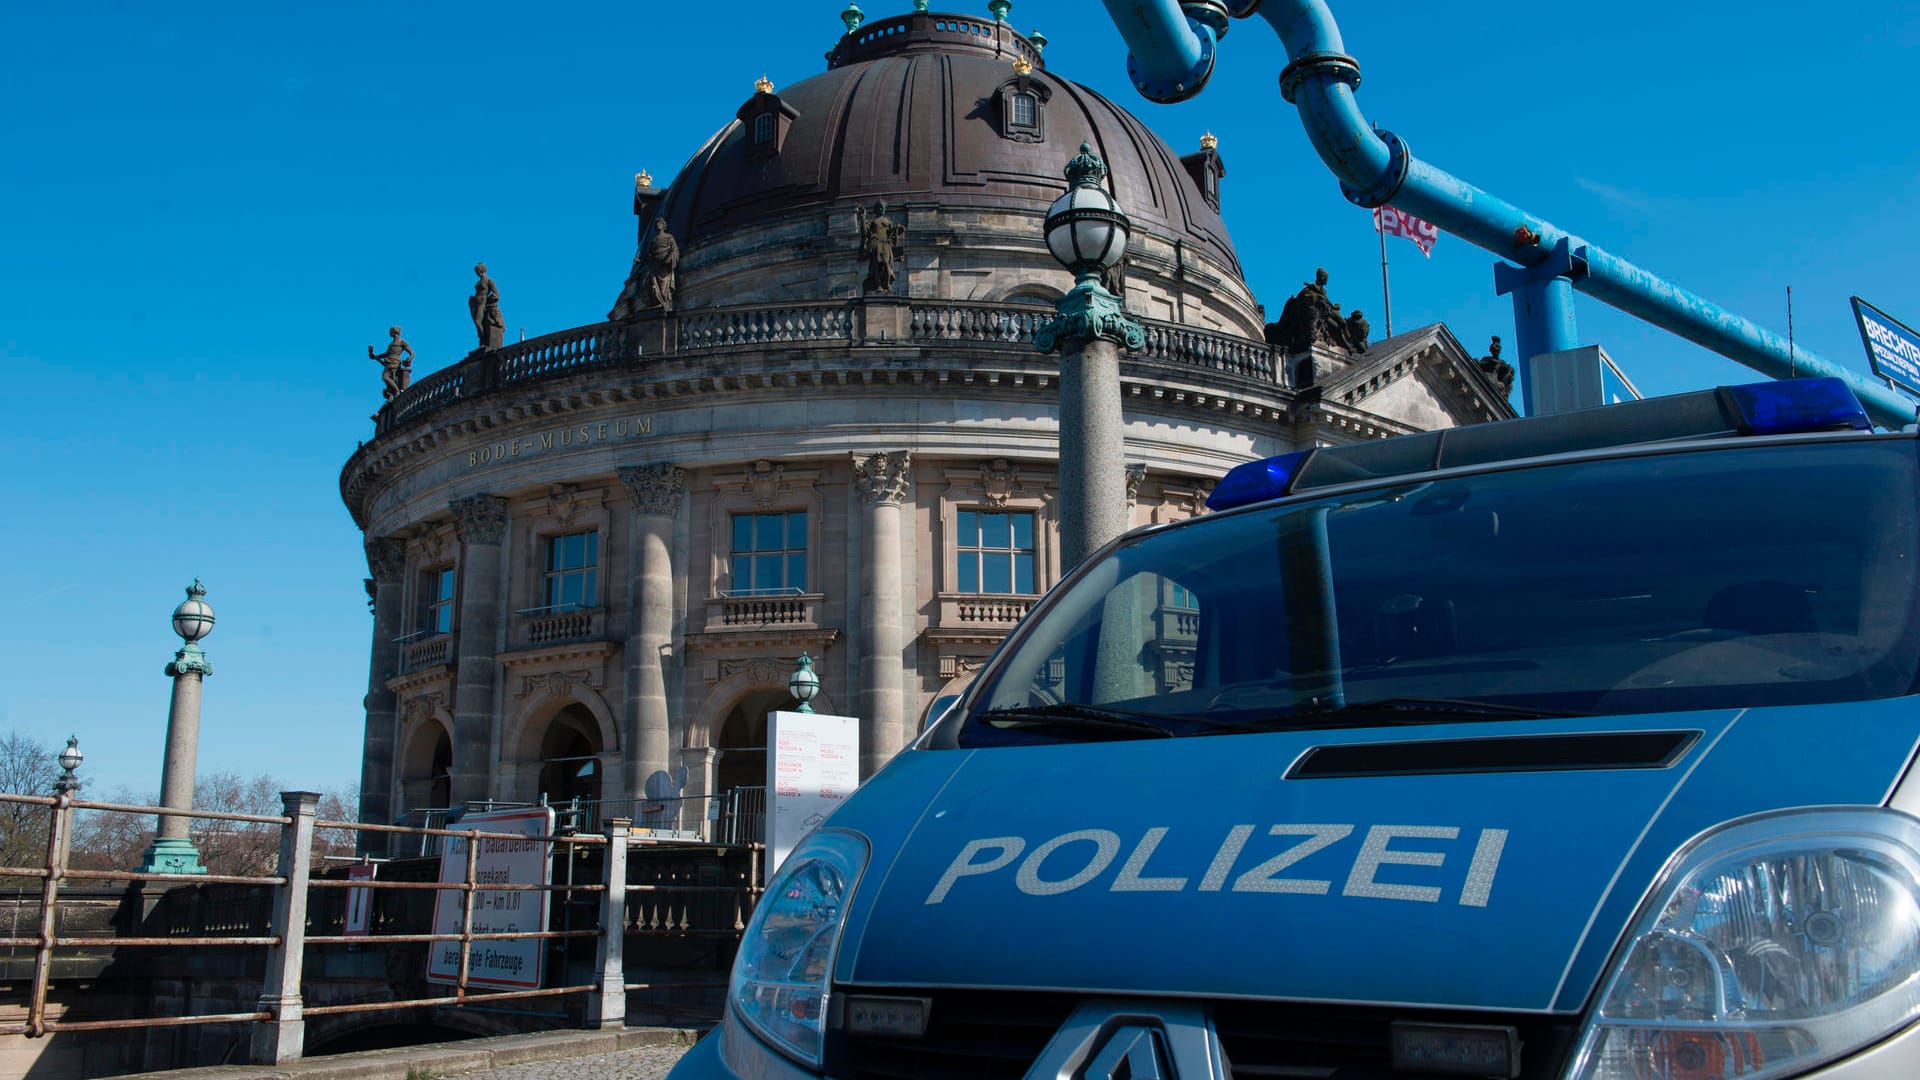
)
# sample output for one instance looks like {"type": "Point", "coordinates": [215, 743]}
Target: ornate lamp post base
{"type": "Point", "coordinates": [171, 855]}
{"type": "Point", "coordinates": [1089, 312]}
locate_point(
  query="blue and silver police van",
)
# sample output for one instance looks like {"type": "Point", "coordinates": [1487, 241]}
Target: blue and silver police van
{"type": "Point", "coordinates": [1566, 747]}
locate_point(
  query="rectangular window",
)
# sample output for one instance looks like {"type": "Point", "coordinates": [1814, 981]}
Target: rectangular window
{"type": "Point", "coordinates": [769, 554]}
{"type": "Point", "coordinates": [573, 561]}
{"type": "Point", "coordinates": [439, 618]}
{"type": "Point", "coordinates": [995, 551]}
{"type": "Point", "coordinates": [1022, 110]}
{"type": "Point", "coordinates": [763, 129]}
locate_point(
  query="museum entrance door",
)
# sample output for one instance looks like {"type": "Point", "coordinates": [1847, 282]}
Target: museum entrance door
{"type": "Point", "coordinates": [740, 773]}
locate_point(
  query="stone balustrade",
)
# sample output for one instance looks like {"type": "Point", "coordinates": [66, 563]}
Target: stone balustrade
{"type": "Point", "coordinates": [932, 324]}
{"type": "Point", "coordinates": [426, 652]}
{"type": "Point", "coordinates": [558, 627]}
{"type": "Point", "coordinates": [969, 610]}
{"type": "Point", "coordinates": [752, 612]}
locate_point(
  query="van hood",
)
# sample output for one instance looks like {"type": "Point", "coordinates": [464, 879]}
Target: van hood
{"type": "Point", "coordinates": [1192, 866]}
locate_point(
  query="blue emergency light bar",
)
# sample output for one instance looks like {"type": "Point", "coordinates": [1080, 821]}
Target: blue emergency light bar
{"type": "Point", "coordinates": [1782, 407]}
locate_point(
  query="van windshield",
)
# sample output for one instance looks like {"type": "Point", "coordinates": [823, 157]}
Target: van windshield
{"type": "Point", "coordinates": [1729, 577]}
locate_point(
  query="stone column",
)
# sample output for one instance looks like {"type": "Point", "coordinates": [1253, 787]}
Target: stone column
{"type": "Point", "coordinates": [387, 561]}
{"type": "Point", "coordinates": [655, 490]}
{"type": "Point", "coordinates": [481, 522]}
{"type": "Point", "coordinates": [1093, 472]}
{"type": "Point", "coordinates": [881, 480]}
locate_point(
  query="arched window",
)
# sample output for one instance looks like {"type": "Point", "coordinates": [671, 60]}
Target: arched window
{"type": "Point", "coordinates": [763, 129]}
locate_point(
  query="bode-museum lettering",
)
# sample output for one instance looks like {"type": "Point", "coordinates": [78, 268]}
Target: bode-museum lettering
{"type": "Point", "coordinates": [580, 435]}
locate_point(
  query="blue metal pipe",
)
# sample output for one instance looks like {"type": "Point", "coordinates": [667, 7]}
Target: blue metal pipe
{"type": "Point", "coordinates": [1171, 55]}
{"type": "Point", "coordinates": [1376, 168]}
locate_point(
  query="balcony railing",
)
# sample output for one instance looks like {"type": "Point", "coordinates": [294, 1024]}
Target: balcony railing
{"type": "Point", "coordinates": [556, 626]}
{"type": "Point", "coordinates": [998, 611]}
{"type": "Point", "coordinates": [422, 652]}
{"type": "Point", "coordinates": [751, 612]}
{"type": "Point", "coordinates": [932, 323]}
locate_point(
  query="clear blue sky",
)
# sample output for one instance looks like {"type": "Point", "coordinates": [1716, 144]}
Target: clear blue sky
{"type": "Point", "coordinates": [210, 210]}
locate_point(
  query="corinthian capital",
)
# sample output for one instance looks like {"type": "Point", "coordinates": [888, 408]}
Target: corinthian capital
{"type": "Point", "coordinates": [656, 488]}
{"type": "Point", "coordinates": [386, 558]}
{"type": "Point", "coordinates": [479, 519]}
{"type": "Point", "coordinates": [881, 478]}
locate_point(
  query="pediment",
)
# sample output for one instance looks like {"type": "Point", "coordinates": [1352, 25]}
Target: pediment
{"type": "Point", "coordinates": [1421, 380]}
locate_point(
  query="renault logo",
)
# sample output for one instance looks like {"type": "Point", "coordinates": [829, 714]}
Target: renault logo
{"type": "Point", "coordinates": [1134, 1052]}
{"type": "Point", "coordinates": [1115, 1039]}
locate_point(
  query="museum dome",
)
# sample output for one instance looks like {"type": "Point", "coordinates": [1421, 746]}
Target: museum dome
{"type": "Point", "coordinates": [956, 125]}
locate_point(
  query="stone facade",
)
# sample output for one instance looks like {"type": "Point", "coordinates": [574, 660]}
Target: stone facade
{"type": "Point", "coordinates": [595, 555]}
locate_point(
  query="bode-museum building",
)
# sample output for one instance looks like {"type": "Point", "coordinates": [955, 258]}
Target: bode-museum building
{"type": "Point", "coordinates": [816, 421]}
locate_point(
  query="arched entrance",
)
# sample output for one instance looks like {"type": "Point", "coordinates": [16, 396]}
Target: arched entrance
{"type": "Point", "coordinates": [740, 770]}
{"type": "Point", "coordinates": [569, 759]}
{"type": "Point", "coordinates": [426, 768]}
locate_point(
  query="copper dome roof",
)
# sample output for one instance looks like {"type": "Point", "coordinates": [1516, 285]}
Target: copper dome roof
{"type": "Point", "coordinates": [906, 113]}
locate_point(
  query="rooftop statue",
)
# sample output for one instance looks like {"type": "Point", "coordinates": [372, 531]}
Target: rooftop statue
{"type": "Point", "coordinates": [1357, 331]}
{"type": "Point", "coordinates": [1497, 369]}
{"type": "Point", "coordinates": [484, 305]}
{"type": "Point", "coordinates": [1310, 318]}
{"type": "Point", "coordinates": [650, 282]}
{"type": "Point", "coordinates": [396, 364]}
{"type": "Point", "coordinates": [880, 239]}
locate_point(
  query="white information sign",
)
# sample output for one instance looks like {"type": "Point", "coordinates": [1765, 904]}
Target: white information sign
{"type": "Point", "coordinates": [507, 964]}
{"type": "Point", "coordinates": [360, 901]}
{"type": "Point", "coordinates": [813, 764]}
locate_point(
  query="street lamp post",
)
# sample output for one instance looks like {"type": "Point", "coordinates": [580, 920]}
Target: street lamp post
{"type": "Point", "coordinates": [172, 851]}
{"type": "Point", "coordinates": [803, 684]}
{"type": "Point", "coordinates": [1087, 232]}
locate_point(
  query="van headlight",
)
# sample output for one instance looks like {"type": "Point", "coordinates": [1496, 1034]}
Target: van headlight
{"type": "Point", "coordinates": [781, 973]}
{"type": "Point", "coordinates": [1768, 946]}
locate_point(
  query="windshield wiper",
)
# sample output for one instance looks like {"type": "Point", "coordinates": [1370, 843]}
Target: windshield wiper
{"type": "Point", "coordinates": [1071, 714]}
{"type": "Point", "coordinates": [1411, 710]}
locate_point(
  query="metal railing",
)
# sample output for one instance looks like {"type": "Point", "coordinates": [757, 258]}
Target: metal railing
{"type": "Point", "coordinates": [664, 902]}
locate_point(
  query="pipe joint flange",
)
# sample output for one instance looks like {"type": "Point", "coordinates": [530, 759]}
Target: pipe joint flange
{"type": "Point", "coordinates": [1166, 92]}
{"type": "Point", "coordinates": [1339, 65]}
{"type": "Point", "coordinates": [1242, 9]}
{"type": "Point", "coordinates": [1382, 191]}
{"type": "Point", "coordinates": [1208, 13]}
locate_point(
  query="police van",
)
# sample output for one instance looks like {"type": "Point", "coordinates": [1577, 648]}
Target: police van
{"type": "Point", "coordinates": [1565, 747]}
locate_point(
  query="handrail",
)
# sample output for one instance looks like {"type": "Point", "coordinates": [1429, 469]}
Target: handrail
{"type": "Point", "coordinates": [1376, 169]}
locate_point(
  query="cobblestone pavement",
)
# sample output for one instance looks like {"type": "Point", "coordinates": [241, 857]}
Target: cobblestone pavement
{"type": "Point", "coordinates": [640, 1063]}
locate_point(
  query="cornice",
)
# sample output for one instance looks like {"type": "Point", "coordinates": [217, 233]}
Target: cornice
{"type": "Point", "coordinates": [551, 654]}
{"type": "Point", "coordinates": [1159, 384]}
{"type": "Point", "coordinates": [815, 638]}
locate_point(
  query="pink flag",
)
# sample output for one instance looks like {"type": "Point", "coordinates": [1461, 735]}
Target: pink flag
{"type": "Point", "coordinates": [1400, 223]}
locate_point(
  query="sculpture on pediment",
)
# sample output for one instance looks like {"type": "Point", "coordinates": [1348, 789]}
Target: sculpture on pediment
{"type": "Point", "coordinates": [396, 364]}
{"type": "Point", "coordinates": [1310, 318]}
{"type": "Point", "coordinates": [880, 240]}
{"type": "Point", "coordinates": [1357, 331]}
{"type": "Point", "coordinates": [1497, 369]}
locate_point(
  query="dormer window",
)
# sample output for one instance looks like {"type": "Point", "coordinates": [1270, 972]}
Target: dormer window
{"type": "Point", "coordinates": [767, 120]}
{"type": "Point", "coordinates": [1020, 105]}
